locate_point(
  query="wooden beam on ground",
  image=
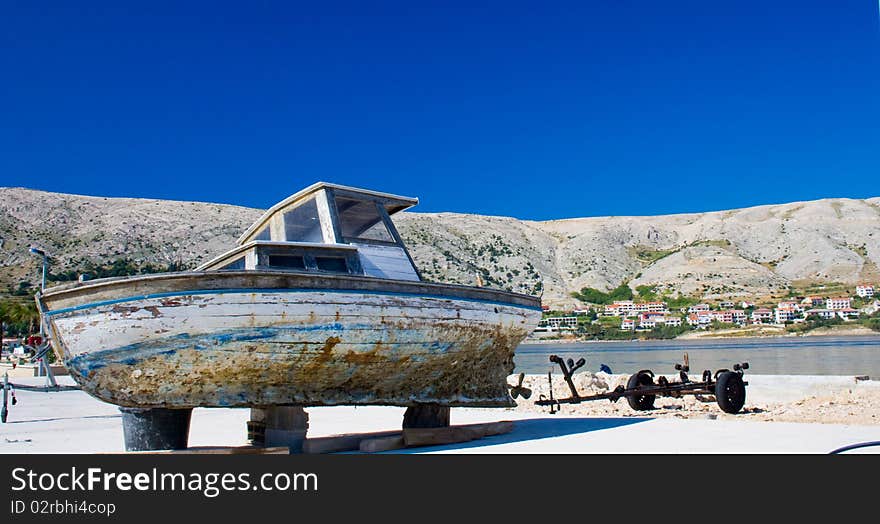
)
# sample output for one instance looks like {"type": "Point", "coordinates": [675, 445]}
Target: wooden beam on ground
{"type": "Point", "coordinates": [454, 434]}
{"type": "Point", "coordinates": [409, 437]}
{"type": "Point", "coordinates": [375, 445]}
{"type": "Point", "coordinates": [338, 443]}
{"type": "Point", "coordinates": [220, 450]}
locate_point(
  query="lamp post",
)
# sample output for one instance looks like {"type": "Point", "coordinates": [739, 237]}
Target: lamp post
{"type": "Point", "coordinates": [41, 253]}
{"type": "Point", "coordinates": [50, 378]}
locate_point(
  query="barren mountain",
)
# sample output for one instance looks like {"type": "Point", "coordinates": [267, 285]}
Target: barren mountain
{"type": "Point", "coordinates": [738, 253]}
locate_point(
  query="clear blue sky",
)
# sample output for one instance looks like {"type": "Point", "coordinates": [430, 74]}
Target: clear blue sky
{"type": "Point", "coordinates": [530, 109]}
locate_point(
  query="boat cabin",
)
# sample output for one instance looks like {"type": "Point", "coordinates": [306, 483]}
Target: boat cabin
{"type": "Point", "coordinates": [326, 228]}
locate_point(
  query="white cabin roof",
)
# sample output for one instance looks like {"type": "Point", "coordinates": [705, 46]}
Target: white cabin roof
{"type": "Point", "coordinates": [392, 203]}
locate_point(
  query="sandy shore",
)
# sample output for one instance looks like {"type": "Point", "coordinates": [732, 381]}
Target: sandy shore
{"type": "Point", "coordinates": [769, 398]}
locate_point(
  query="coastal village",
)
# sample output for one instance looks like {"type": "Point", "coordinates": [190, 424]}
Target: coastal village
{"type": "Point", "coordinates": [630, 316]}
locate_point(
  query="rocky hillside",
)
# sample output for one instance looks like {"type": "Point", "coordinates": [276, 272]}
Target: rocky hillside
{"type": "Point", "coordinates": [746, 252]}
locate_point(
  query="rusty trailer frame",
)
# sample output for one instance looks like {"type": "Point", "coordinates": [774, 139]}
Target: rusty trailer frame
{"type": "Point", "coordinates": [728, 387]}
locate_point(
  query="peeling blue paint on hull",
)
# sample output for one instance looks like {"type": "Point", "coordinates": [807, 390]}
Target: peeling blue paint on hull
{"type": "Point", "coordinates": [276, 347]}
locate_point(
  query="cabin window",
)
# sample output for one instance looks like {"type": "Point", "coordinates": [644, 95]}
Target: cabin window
{"type": "Point", "coordinates": [361, 219]}
{"type": "Point", "coordinates": [287, 261]}
{"type": "Point", "coordinates": [301, 224]}
{"type": "Point", "coordinates": [334, 264]}
{"type": "Point", "coordinates": [238, 263]}
{"type": "Point", "coordinates": [264, 234]}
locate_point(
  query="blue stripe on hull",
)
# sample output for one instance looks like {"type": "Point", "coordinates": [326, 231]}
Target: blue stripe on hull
{"type": "Point", "coordinates": [273, 291]}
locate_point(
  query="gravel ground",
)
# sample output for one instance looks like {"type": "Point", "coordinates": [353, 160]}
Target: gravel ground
{"type": "Point", "coordinates": [816, 414]}
{"type": "Point", "coordinates": [770, 398]}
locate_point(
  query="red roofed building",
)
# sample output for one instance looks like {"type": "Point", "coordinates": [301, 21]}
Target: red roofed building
{"type": "Point", "coordinates": [790, 304]}
{"type": "Point", "coordinates": [838, 303]}
{"type": "Point", "coordinates": [762, 316]}
{"type": "Point", "coordinates": [865, 290]}
{"type": "Point", "coordinates": [813, 301]}
{"type": "Point", "coordinates": [722, 316]}
{"type": "Point", "coordinates": [848, 313]}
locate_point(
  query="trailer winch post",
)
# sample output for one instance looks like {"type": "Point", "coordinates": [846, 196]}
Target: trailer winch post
{"type": "Point", "coordinates": [568, 371]}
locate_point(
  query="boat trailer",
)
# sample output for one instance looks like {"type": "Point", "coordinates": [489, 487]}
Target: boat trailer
{"type": "Point", "coordinates": [727, 386]}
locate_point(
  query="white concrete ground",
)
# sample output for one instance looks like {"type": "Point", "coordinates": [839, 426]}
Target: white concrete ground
{"type": "Point", "coordinates": [73, 422]}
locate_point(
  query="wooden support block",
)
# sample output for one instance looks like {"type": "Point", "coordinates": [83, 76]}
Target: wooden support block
{"type": "Point", "coordinates": [426, 416]}
{"type": "Point", "coordinates": [337, 443]}
{"type": "Point", "coordinates": [374, 445]}
{"type": "Point", "coordinates": [454, 434]}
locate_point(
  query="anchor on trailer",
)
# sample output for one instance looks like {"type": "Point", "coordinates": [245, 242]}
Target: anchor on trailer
{"type": "Point", "coordinates": [727, 386]}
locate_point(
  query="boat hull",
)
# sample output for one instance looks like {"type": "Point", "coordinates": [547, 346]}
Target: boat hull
{"type": "Point", "coordinates": [218, 339]}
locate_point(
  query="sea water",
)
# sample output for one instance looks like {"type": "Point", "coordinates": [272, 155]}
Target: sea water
{"type": "Point", "coordinates": [814, 355]}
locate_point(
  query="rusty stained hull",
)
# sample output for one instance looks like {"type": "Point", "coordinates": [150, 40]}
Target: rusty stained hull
{"type": "Point", "coordinates": [308, 347]}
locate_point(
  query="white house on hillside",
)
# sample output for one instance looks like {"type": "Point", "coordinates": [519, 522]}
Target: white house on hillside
{"type": "Point", "coordinates": [838, 303]}
{"type": "Point", "coordinates": [784, 315]}
{"type": "Point", "coordinates": [813, 301]}
{"type": "Point", "coordinates": [790, 304]}
{"type": "Point", "coordinates": [848, 313]}
{"type": "Point", "coordinates": [562, 322]}
{"type": "Point", "coordinates": [824, 314]}
{"type": "Point", "coordinates": [762, 316]}
{"type": "Point", "coordinates": [865, 290]}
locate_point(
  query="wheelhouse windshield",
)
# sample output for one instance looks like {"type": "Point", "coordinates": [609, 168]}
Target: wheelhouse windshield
{"type": "Point", "coordinates": [362, 220]}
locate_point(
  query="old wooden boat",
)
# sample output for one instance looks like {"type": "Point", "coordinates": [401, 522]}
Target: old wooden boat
{"type": "Point", "coordinates": [320, 303]}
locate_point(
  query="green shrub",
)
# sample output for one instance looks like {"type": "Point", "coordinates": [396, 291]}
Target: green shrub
{"type": "Point", "coordinates": [594, 296]}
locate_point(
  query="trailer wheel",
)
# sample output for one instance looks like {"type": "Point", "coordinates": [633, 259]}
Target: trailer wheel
{"type": "Point", "coordinates": [730, 392]}
{"type": "Point", "coordinates": [640, 402]}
